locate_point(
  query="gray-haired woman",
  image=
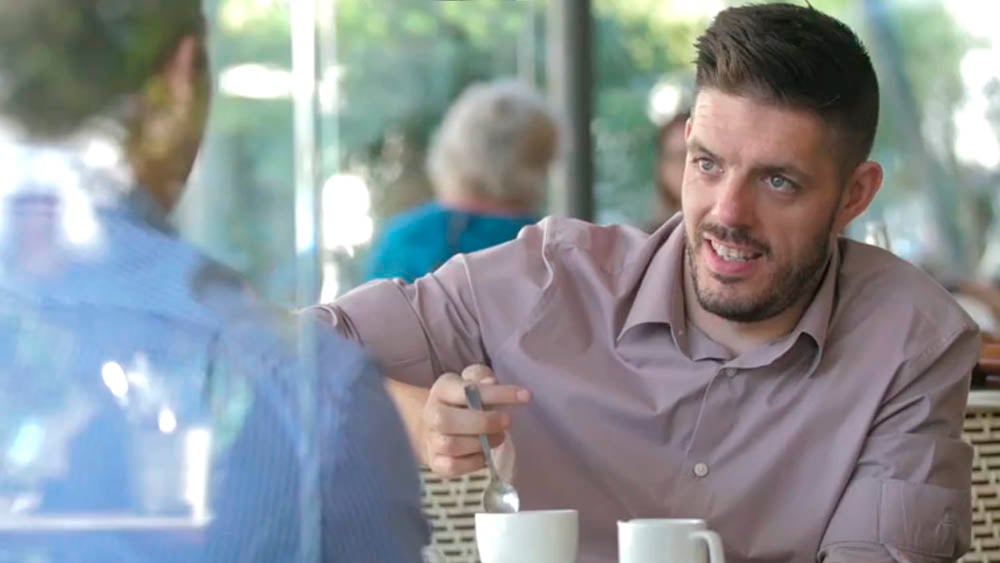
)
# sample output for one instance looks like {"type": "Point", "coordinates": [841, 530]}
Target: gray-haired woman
{"type": "Point", "coordinates": [489, 166]}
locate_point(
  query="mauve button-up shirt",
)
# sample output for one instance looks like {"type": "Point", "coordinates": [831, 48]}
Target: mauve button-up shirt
{"type": "Point", "coordinates": [837, 442]}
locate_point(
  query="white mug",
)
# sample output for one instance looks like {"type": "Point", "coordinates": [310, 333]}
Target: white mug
{"type": "Point", "coordinates": [531, 536]}
{"type": "Point", "coordinates": [663, 540]}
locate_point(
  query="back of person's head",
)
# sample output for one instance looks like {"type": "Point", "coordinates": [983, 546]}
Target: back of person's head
{"type": "Point", "coordinates": [496, 143]}
{"type": "Point", "coordinates": [795, 57]}
{"type": "Point", "coordinates": [66, 61]}
{"type": "Point", "coordinates": [137, 65]}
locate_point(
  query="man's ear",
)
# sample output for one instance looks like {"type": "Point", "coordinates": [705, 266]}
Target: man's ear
{"type": "Point", "coordinates": [182, 70]}
{"type": "Point", "coordinates": [860, 190]}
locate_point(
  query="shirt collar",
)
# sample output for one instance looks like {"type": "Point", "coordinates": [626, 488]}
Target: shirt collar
{"type": "Point", "coordinates": [659, 296]}
{"type": "Point", "coordinates": [140, 207]}
{"type": "Point", "coordinates": [815, 321]}
{"type": "Point", "coordinates": [86, 185]}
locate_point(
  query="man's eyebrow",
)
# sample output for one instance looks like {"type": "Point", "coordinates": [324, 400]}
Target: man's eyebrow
{"type": "Point", "coordinates": [777, 168]}
{"type": "Point", "coordinates": [694, 145]}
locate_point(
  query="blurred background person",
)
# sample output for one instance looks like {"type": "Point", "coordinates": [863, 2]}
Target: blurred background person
{"type": "Point", "coordinates": [489, 167]}
{"type": "Point", "coordinates": [982, 301]}
{"type": "Point", "coordinates": [150, 405]}
{"type": "Point", "coordinates": [670, 157]}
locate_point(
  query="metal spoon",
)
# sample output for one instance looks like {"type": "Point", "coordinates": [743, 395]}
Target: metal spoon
{"type": "Point", "coordinates": [499, 495]}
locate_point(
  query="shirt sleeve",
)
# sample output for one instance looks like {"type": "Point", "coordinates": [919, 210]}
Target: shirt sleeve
{"type": "Point", "coordinates": [367, 483]}
{"type": "Point", "coordinates": [446, 320]}
{"type": "Point", "coordinates": [909, 497]}
{"type": "Point", "coordinates": [370, 486]}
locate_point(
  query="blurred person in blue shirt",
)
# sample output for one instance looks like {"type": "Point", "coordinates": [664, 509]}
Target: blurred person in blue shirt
{"type": "Point", "coordinates": [488, 164]}
{"type": "Point", "coordinates": [150, 405]}
{"type": "Point", "coordinates": [670, 162]}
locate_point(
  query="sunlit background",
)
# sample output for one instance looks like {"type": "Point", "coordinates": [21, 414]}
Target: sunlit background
{"type": "Point", "coordinates": [387, 75]}
{"type": "Point", "coordinates": [293, 196]}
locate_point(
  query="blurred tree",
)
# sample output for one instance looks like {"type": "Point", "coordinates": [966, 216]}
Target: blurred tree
{"type": "Point", "coordinates": [398, 69]}
{"type": "Point", "coordinates": [638, 44]}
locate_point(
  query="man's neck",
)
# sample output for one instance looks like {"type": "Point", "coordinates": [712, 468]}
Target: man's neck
{"type": "Point", "coordinates": [741, 337]}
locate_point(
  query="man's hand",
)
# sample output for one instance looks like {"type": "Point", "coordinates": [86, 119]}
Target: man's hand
{"type": "Point", "coordinates": [450, 429]}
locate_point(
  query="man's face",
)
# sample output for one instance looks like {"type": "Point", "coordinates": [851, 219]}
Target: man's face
{"type": "Point", "coordinates": [761, 197]}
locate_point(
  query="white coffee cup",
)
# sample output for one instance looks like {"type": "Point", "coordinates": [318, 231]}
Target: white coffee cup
{"type": "Point", "coordinates": [532, 536]}
{"type": "Point", "coordinates": [665, 540]}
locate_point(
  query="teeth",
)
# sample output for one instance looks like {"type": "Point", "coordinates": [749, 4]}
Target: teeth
{"type": "Point", "coordinates": [731, 254]}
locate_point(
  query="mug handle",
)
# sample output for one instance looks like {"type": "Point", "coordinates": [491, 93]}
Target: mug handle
{"type": "Point", "coordinates": [714, 543]}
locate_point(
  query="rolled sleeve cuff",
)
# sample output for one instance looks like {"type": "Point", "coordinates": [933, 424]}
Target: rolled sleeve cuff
{"type": "Point", "coordinates": [931, 522]}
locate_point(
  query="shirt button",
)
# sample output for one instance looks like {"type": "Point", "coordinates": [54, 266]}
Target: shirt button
{"type": "Point", "coordinates": [728, 372]}
{"type": "Point", "coordinates": [700, 470]}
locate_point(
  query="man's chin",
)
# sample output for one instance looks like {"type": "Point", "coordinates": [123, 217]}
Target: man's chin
{"type": "Point", "coordinates": [739, 287]}
{"type": "Point", "coordinates": [737, 313]}
{"type": "Point", "coordinates": [722, 301]}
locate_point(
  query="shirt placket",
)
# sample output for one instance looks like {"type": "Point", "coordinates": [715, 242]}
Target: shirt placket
{"type": "Point", "coordinates": [717, 414]}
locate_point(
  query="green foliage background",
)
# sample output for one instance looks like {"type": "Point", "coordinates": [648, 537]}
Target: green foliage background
{"type": "Point", "coordinates": [401, 62]}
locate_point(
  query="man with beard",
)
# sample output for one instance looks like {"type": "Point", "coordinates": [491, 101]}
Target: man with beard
{"type": "Point", "coordinates": [802, 392]}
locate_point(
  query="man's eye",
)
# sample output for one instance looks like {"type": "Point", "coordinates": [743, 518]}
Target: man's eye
{"type": "Point", "coordinates": [779, 183]}
{"type": "Point", "coordinates": [705, 165]}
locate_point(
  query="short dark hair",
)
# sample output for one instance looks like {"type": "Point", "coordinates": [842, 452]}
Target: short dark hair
{"type": "Point", "coordinates": [797, 57]}
{"type": "Point", "coordinates": [64, 61]}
